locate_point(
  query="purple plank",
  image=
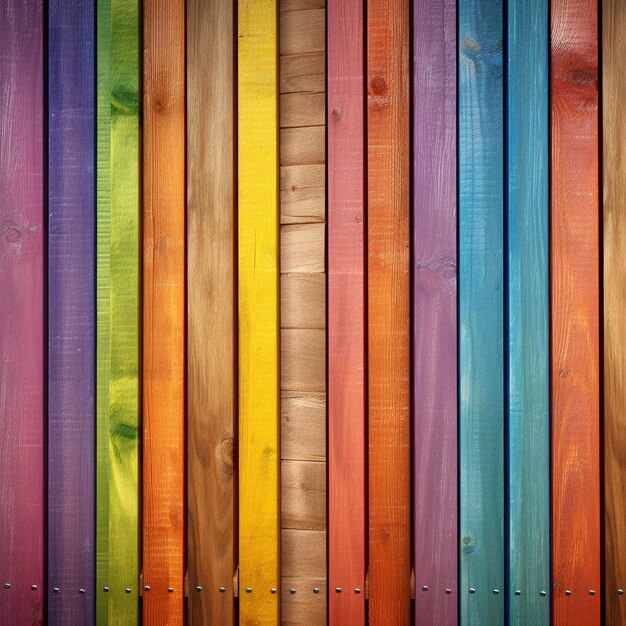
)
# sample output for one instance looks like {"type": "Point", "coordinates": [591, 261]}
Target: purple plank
{"type": "Point", "coordinates": [434, 319]}
{"type": "Point", "coordinates": [21, 313]}
{"type": "Point", "coordinates": [71, 312]}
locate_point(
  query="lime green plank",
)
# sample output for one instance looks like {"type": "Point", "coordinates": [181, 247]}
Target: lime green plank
{"type": "Point", "coordinates": [118, 312]}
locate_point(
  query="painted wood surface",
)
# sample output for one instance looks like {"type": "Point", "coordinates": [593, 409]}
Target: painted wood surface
{"type": "Point", "coordinates": [481, 237]}
{"type": "Point", "coordinates": [346, 313]}
{"type": "Point", "coordinates": [22, 399]}
{"type": "Point", "coordinates": [117, 326]}
{"type": "Point", "coordinates": [614, 180]}
{"type": "Point", "coordinates": [211, 311]}
{"type": "Point", "coordinates": [435, 496]}
{"type": "Point", "coordinates": [527, 330]}
{"type": "Point", "coordinates": [163, 524]}
{"type": "Point", "coordinates": [303, 308]}
{"type": "Point", "coordinates": [71, 311]}
{"type": "Point", "coordinates": [389, 428]}
{"type": "Point", "coordinates": [259, 454]}
{"type": "Point", "coordinates": [575, 294]}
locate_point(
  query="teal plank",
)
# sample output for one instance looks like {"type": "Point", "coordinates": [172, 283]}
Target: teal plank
{"type": "Point", "coordinates": [481, 312]}
{"type": "Point", "coordinates": [527, 405]}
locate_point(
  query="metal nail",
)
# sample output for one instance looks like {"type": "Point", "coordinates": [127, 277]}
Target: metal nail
{"type": "Point", "coordinates": [424, 587]}
{"type": "Point", "coordinates": [496, 592]}
{"type": "Point", "coordinates": [316, 589]}
{"type": "Point", "coordinates": [472, 590]}
{"type": "Point", "coordinates": [106, 590]}
{"type": "Point", "coordinates": [592, 592]}
{"type": "Point", "coordinates": [170, 590]}
{"type": "Point", "coordinates": [56, 589]}
{"type": "Point", "coordinates": [568, 592]}
{"type": "Point", "coordinates": [338, 589]}
{"type": "Point", "coordinates": [620, 592]}
{"type": "Point", "coordinates": [146, 588]}
{"type": "Point", "coordinates": [222, 589]}
{"type": "Point", "coordinates": [542, 593]}
{"type": "Point", "coordinates": [518, 592]}
{"type": "Point", "coordinates": [357, 590]}
{"type": "Point", "coordinates": [292, 591]}
{"type": "Point", "coordinates": [7, 585]}
{"type": "Point", "coordinates": [248, 589]}
{"type": "Point", "coordinates": [198, 588]}
{"type": "Point", "coordinates": [273, 590]}
{"type": "Point", "coordinates": [34, 587]}
{"type": "Point", "coordinates": [127, 590]}
{"type": "Point", "coordinates": [448, 591]}
{"type": "Point", "coordinates": [81, 590]}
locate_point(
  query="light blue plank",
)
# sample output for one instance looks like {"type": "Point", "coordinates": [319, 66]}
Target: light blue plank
{"type": "Point", "coordinates": [481, 315]}
{"type": "Point", "coordinates": [528, 312]}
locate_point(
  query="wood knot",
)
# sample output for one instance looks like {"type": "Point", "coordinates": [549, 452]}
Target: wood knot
{"type": "Point", "coordinates": [583, 78]}
{"type": "Point", "coordinates": [378, 85]}
{"type": "Point", "coordinates": [337, 113]}
{"type": "Point", "coordinates": [12, 235]}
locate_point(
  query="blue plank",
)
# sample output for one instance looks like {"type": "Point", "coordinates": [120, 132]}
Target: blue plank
{"type": "Point", "coordinates": [481, 312]}
{"type": "Point", "coordinates": [528, 401]}
{"type": "Point", "coordinates": [71, 311]}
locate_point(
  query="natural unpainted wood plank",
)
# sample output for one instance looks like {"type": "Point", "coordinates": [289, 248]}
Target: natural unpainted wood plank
{"type": "Point", "coordinates": [302, 248]}
{"type": "Point", "coordinates": [302, 109]}
{"type": "Point", "coordinates": [163, 539]}
{"type": "Point", "coordinates": [481, 311]}
{"type": "Point", "coordinates": [304, 602]}
{"type": "Point", "coordinates": [211, 314]}
{"type": "Point", "coordinates": [303, 426]}
{"type": "Point", "coordinates": [303, 363]}
{"type": "Point", "coordinates": [296, 5]}
{"type": "Point", "coordinates": [259, 383]}
{"type": "Point", "coordinates": [614, 182]}
{"type": "Point", "coordinates": [346, 313]}
{"type": "Point", "coordinates": [575, 307]}
{"type": "Point", "coordinates": [303, 554]}
{"type": "Point", "coordinates": [303, 302]}
{"type": "Point", "coordinates": [303, 73]}
{"type": "Point", "coordinates": [302, 194]}
{"type": "Point", "coordinates": [435, 494]}
{"type": "Point", "coordinates": [22, 235]}
{"type": "Point", "coordinates": [302, 146]}
{"type": "Point", "coordinates": [71, 312]}
{"type": "Point", "coordinates": [388, 289]}
{"type": "Point", "coordinates": [528, 394]}
{"type": "Point", "coordinates": [302, 31]}
{"type": "Point", "coordinates": [118, 309]}
{"type": "Point", "coordinates": [303, 494]}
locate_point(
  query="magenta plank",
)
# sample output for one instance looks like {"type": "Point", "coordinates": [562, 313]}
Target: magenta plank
{"type": "Point", "coordinates": [434, 311]}
{"type": "Point", "coordinates": [71, 312]}
{"type": "Point", "coordinates": [22, 409]}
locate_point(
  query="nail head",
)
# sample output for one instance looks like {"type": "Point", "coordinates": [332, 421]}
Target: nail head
{"type": "Point", "coordinates": [592, 592]}
{"type": "Point", "coordinates": [170, 590]}
{"type": "Point", "coordinates": [7, 585]}
{"type": "Point", "coordinates": [568, 592]}
{"type": "Point", "coordinates": [222, 589]}
{"type": "Point", "coordinates": [81, 590]}
{"type": "Point", "coordinates": [472, 590]}
{"type": "Point", "coordinates": [338, 589]}
{"type": "Point", "coordinates": [424, 587]}
{"type": "Point", "coordinates": [316, 589]}
{"type": "Point", "coordinates": [620, 592]}
{"type": "Point", "coordinates": [106, 590]}
{"type": "Point", "coordinates": [357, 590]}
{"type": "Point", "coordinates": [56, 589]}
{"type": "Point", "coordinates": [248, 589]}
{"type": "Point", "coordinates": [127, 590]}
{"type": "Point", "coordinates": [292, 590]}
{"type": "Point", "coordinates": [34, 587]}
{"type": "Point", "coordinates": [518, 592]}
{"type": "Point", "coordinates": [198, 588]}
{"type": "Point", "coordinates": [147, 588]}
{"type": "Point", "coordinates": [448, 591]}
{"type": "Point", "coordinates": [273, 590]}
{"type": "Point", "coordinates": [496, 592]}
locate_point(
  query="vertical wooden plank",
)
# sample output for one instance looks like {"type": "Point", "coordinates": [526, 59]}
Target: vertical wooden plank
{"type": "Point", "coordinates": [481, 302]}
{"type": "Point", "coordinates": [575, 314]}
{"type": "Point", "coordinates": [388, 312]}
{"type": "Point", "coordinates": [259, 455]}
{"type": "Point", "coordinates": [614, 181]}
{"type": "Point", "coordinates": [211, 309]}
{"type": "Point", "coordinates": [435, 503]}
{"type": "Point", "coordinates": [527, 370]}
{"type": "Point", "coordinates": [71, 312]}
{"type": "Point", "coordinates": [117, 342]}
{"type": "Point", "coordinates": [22, 313]}
{"type": "Point", "coordinates": [346, 312]}
{"type": "Point", "coordinates": [163, 311]}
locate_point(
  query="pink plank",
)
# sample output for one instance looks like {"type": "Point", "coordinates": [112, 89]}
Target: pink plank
{"type": "Point", "coordinates": [434, 313]}
{"type": "Point", "coordinates": [21, 313]}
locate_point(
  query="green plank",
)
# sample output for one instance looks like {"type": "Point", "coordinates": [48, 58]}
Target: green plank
{"type": "Point", "coordinates": [118, 312]}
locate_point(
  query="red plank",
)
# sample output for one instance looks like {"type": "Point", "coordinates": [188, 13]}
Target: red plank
{"type": "Point", "coordinates": [575, 315]}
{"type": "Point", "coordinates": [346, 313]}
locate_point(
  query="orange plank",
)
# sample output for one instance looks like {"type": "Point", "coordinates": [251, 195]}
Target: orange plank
{"type": "Point", "coordinates": [575, 315]}
{"type": "Point", "coordinates": [388, 312]}
{"type": "Point", "coordinates": [164, 311]}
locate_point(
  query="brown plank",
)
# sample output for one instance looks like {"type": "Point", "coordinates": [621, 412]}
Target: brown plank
{"type": "Point", "coordinates": [303, 146]}
{"type": "Point", "coordinates": [211, 305]}
{"type": "Point", "coordinates": [302, 193]}
{"type": "Point", "coordinates": [303, 72]}
{"type": "Point", "coordinates": [302, 31]}
{"type": "Point", "coordinates": [298, 288]}
{"type": "Point", "coordinates": [303, 493]}
{"type": "Point", "coordinates": [302, 248]}
{"type": "Point", "coordinates": [303, 419]}
{"type": "Point", "coordinates": [303, 362]}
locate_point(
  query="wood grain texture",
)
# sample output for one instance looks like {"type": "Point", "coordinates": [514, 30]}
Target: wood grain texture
{"type": "Point", "coordinates": [303, 306]}
{"type": "Point", "coordinates": [22, 386]}
{"type": "Point", "coordinates": [163, 539]}
{"type": "Point", "coordinates": [435, 505]}
{"type": "Point", "coordinates": [527, 370]}
{"type": "Point", "coordinates": [117, 332]}
{"type": "Point", "coordinates": [388, 289]}
{"type": "Point", "coordinates": [481, 367]}
{"type": "Point", "coordinates": [346, 313]}
{"type": "Point", "coordinates": [575, 303]}
{"type": "Point", "coordinates": [211, 310]}
{"type": "Point", "coordinates": [614, 182]}
{"type": "Point", "coordinates": [258, 234]}
{"type": "Point", "coordinates": [71, 311]}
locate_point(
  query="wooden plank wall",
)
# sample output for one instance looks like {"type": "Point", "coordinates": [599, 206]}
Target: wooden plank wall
{"type": "Point", "coordinates": [614, 182]}
{"type": "Point", "coordinates": [211, 313]}
{"type": "Point", "coordinates": [481, 354]}
{"type": "Point", "coordinates": [435, 493]}
{"type": "Point", "coordinates": [163, 311]}
{"type": "Point", "coordinates": [259, 382]}
{"type": "Point", "coordinates": [22, 313]}
{"type": "Point", "coordinates": [71, 311]}
{"type": "Point", "coordinates": [118, 307]}
{"type": "Point", "coordinates": [302, 294]}
{"type": "Point", "coordinates": [527, 371]}
{"type": "Point", "coordinates": [388, 294]}
{"type": "Point", "coordinates": [347, 425]}
{"type": "Point", "coordinates": [575, 292]}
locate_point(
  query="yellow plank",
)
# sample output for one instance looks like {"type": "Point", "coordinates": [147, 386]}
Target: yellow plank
{"type": "Point", "coordinates": [259, 418]}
